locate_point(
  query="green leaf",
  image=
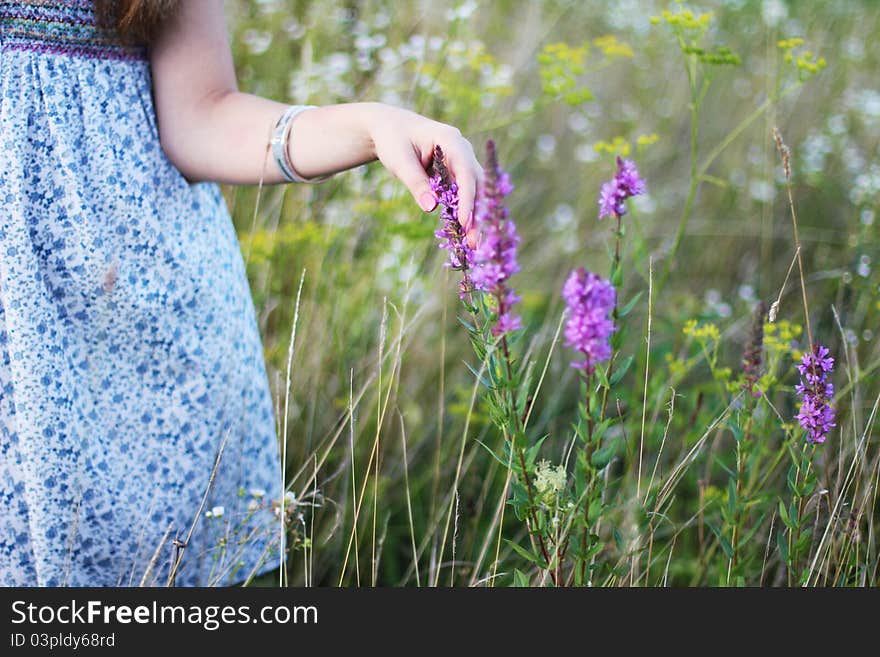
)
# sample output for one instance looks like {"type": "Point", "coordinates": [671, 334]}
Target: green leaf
{"type": "Point", "coordinates": [479, 348]}
{"type": "Point", "coordinates": [621, 370]}
{"type": "Point", "coordinates": [595, 548]}
{"type": "Point", "coordinates": [523, 394]}
{"type": "Point", "coordinates": [477, 374]}
{"type": "Point", "coordinates": [616, 340]}
{"type": "Point", "coordinates": [618, 539]}
{"type": "Point", "coordinates": [735, 429]}
{"type": "Point", "coordinates": [783, 514]}
{"type": "Point", "coordinates": [525, 554]}
{"type": "Point", "coordinates": [519, 499]}
{"type": "Point", "coordinates": [532, 452]}
{"type": "Point", "coordinates": [725, 544]}
{"type": "Point", "coordinates": [731, 496]}
{"type": "Point", "coordinates": [792, 478]}
{"type": "Point", "coordinates": [724, 467]}
{"type": "Point", "coordinates": [602, 456]}
{"type": "Point", "coordinates": [600, 429]}
{"type": "Point", "coordinates": [807, 487]}
{"type": "Point", "coordinates": [759, 523]}
{"type": "Point", "coordinates": [494, 455]}
{"type": "Point", "coordinates": [595, 512]}
{"type": "Point", "coordinates": [580, 476]}
{"type": "Point", "coordinates": [520, 579]}
{"type": "Point", "coordinates": [627, 309]}
{"type": "Point", "coordinates": [601, 377]}
{"type": "Point", "coordinates": [802, 543]}
{"type": "Point", "coordinates": [494, 371]}
{"type": "Point", "coordinates": [580, 430]}
{"type": "Point", "coordinates": [782, 544]}
{"type": "Point", "coordinates": [714, 180]}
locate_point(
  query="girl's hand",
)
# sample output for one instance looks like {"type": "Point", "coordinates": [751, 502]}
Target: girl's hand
{"type": "Point", "coordinates": [211, 131]}
{"type": "Point", "coordinates": [404, 141]}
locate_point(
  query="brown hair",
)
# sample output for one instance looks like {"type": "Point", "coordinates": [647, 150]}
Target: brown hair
{"type": "Point", "coordinates": [135, 20]}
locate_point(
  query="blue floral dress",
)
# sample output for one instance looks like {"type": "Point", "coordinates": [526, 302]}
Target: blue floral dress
{"type": "Point", "coordinates": [137, 438]}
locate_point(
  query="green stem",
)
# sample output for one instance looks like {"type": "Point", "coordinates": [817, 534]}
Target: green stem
{"type": "Point", "coordinates": [588, 493]}
{"type": "Point", "coordinates": [740, 476]}
{"type": "Point", "coordinates": [805, 467]}
{"type": "Point", "coordinates": [692, 191]}
{"type": "Point", "coordinates": [697, 173]}
{"type": "Point", "coordinates": [615, 267]}
{"type": "Point", "coordinates": [533, 531]}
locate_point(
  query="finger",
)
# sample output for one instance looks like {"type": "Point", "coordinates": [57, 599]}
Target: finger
{"type": "Point", "coordinates": [410, 171]}
{"type": "Point", "coordinates": [472, 235]}
{"type": "Point", "coordinates": [468, 176]}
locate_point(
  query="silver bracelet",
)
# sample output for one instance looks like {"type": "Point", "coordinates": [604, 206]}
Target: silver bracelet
{"type": "Point", "coordinates": [280, 138]}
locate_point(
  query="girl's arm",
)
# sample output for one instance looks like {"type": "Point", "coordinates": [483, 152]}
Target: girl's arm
{"type": "Point", "coordinates": [211, 131]}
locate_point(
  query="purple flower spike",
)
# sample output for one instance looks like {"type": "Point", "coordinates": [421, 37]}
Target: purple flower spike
{"type": "Point", "coordinates": [816, 411]}
{"type": "Point", "coordinates": [590, 299]}
{"type": "Point", "coordinates": [626, 183]}
{"type": "Point", "coordinates": [451, 234]}
{"type": "Point", "coordinates": [494, 259]}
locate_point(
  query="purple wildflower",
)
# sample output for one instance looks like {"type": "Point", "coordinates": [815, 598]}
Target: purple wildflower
{"type": "Point", "coordinates": [816, 412]}
{"type": "Point", "coordinates": [626, 183]}
{"type": "Point", "coordinates": [589, 299]}
{"type": "Point", "coordinates": [494, 259]}
{"type": "Point", "coordinates": [451, 234]}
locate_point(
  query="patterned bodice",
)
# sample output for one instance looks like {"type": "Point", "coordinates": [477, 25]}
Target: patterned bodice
{"type": "Point", "coordinates": [62, 27]}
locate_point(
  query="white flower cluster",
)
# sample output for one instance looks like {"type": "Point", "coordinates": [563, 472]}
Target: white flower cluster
{"type": "Point", "coordinates": [550, 481]}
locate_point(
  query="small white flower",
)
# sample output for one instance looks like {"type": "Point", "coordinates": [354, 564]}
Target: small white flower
{"type": "Point", "coordinates": [773, 12]}
{"type": "Point", "coordinates": [257, 42]}
{"type": "Point", "coordinates": [546, 145]}
{"type": "Point", "coordinates": [562, 218]}
{"type": "Point", "coordinates": [586, 153]}
{"type": "Point", "coordinates": [762, 191]}
{"type": "Point", "coordinates": [258, 492]}
{"type": "Point", "coordinates": [289, 497]}
{"type": "Point", "coordinates": [746, 292]}
{"type": "Point", "coordinates": [217, 512]}
{"type": "Point", "coordinates": [549, 480]}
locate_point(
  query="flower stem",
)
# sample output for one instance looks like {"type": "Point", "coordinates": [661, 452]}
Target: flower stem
{"type": "Point", "coordinates": [615, 266]}
{"type": "Point", "coordinates": [591, 475]}
{"type": "Point", "coordinates": [804, 467]}
{"type": "Point", "coordinates": [514, 415]}
{"type": "Point", "coordinates": [741, 458]}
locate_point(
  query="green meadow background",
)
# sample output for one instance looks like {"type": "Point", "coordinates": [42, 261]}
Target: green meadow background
{"type": "Point", "coordinates": [385, 429]}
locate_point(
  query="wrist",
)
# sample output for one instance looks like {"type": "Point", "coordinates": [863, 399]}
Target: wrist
{"type": "Point", "coordinates": [373, 117]}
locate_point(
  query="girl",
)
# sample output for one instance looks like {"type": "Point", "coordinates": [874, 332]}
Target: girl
{"type": "Point", "coordinates": [137, 441]}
